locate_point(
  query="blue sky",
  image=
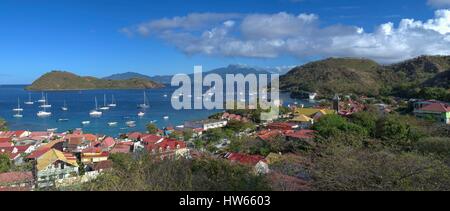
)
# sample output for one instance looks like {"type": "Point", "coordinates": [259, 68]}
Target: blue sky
{"type": "Point", "coordinates": [102, 37]}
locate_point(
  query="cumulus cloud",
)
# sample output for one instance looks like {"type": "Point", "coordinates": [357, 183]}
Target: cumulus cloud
{"type": "Point", "coordinates": [439, 3]}
{"type": "Point", "coordinates": [274, 35]}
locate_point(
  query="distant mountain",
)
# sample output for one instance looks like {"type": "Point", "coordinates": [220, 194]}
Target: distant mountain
{"type": "Point", "coordinates": [62, 80]}
{"type": "Point", "coordinates": [166, 79]}
{"type": "Point", "coordinates": [126, 76]}
{"type": "Point", "coordinates": [363, 76]}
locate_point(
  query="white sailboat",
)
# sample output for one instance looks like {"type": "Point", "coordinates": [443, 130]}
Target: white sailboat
{"type": "Point", "coordinates": [42, 100]}
{"type": "Point", "coordinates": [44, 113]}
{"type": "Point", "coordinates": [141, 114]}
{"type": "Point", "coordinates": [29, 102]}
{"type": "Point", "coordinates": [18, 106]}
{"type": "Point", "coordinates": [113, 103]}
{"type": "Point", "coordinates": [105, 107]}
{"type": "Point", "coordinates": [166, 117]}
{"type": "Point", "coordinates": [86, 122]}
{"type": "Point", "coordinates": [96, 112]}
{"type": "Point", "coordinates": [145, 104]}
{"type": "Point", "coordinates": [64, 108]}
{"type": "Point", "coordinates": [18, 115]}
{"type": "Point", "coordinates": [45, 103]}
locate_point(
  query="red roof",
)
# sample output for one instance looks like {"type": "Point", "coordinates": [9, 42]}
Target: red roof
{"type": "Point", "coordinates": [300, 134]}
{"type": "Point", "coordinates": [280, 126]}
{"type": "Point", "coordinates": [166, 144]}
{"type": "Point", "coordinates": [15, 177]}
{"type": "Point", "coordinates": [92, 150]}
{"type": "Point", "coordinates": [268, 135]}
{"type": "Point", "coordinates": [244, 158]}
{"type": "Point", "coordinates": [6, 144]}
{"type": "Point", "coordinates": [4, 139]}
{"type": "Point", "coordinates": [108, 142]}
{"type": "Point", "coordinates": [436, 107]}
{"type": "Point", "coordinates": [90, 137]}
{"type": "Point", "coordinates": [36, 154]}
{"type": "Point", "coordinates": [134, 135]}
{"type": "Point", "coordinates": [151, 139]}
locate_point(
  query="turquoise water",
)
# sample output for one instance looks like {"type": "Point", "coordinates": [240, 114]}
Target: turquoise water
{"type": "Point", "coordinates": [80, 103]}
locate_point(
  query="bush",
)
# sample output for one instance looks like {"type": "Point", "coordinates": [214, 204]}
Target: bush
{"type": "Point", "coordinates": [439, 146]}
{"type": "Point", "coordinates": [5, 164]}
{"type": "Point", "coordinates": [345, 168]}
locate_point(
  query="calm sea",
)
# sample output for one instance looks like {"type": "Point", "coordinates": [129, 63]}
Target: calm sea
{"type": "Point", "coordinates": [80, 103]}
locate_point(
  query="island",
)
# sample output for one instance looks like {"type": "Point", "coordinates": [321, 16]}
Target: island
{"type": "Point", "coordinates": [63, 80]}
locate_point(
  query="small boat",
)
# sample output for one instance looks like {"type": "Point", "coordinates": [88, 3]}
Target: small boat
{"type": "Point", "coordinates": [52, 129]}
{"type": "Point", "coordinates": [86, 122]}
{"type": "Point", "coordinates": [44, 114]}
{"type": "Point", "coordinates": [64, 108]}
{"type": "Point", "coordinates": [42, 100]}
{"type": "Point", "coordinates": [112, 123]}
{"type": "Point", "coordinates": [131, 125]}
{"type": "Point", "coordinates": [141, 114]}
{"type": "Point", "coordinates": [165, 96]}
{"type": "Point", "coordinates": [29, 102]}
{"type": "Point", "coordinates": [166, 117]}
{"type": "Point", "coordinates": [105, 107]}
{"type": "Point", "coordinates": [145, 104]}
{"type": "Point", "coordinates": [18, 106]}
{"type": "Point", "coordinates": [63, 120]}
{"type": "Point", "coordinates": [113, 103]}
{"type": "Point", "coordinates": [130, 122]}
{"type": "Point", "coordinates": [96, 112]}
{"type": "Point", "coordinates": [153, 121]}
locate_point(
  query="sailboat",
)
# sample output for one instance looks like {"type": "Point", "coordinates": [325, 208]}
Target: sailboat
{"type": "Point", "coordinates": [145, 104]}
{"type": "Point", "coordinates": [141, 114]}
{"type": "Point", "coordinates": [42, 100]}
{"type": "Point", "coordinates": [18, 106]}
{"type": "Point", "coordinates": [113, 104]}
{"type": "Point", "coordinates": [29, 102]}
{"type": "Point", "coordinates": [64, 108]}
{"type": "Point", "coordinates": [104, 104]}
{"type": "Point", "coordinates": [95, 113]}
{"type": "Point", "coordinates": [45, 104]}
{"type": "Point", "coordinates": [44, 113]}
{"type": "Point", "coordinates": [18, 115]}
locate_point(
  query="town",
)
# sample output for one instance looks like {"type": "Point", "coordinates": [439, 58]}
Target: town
{"type": "Point", "coordinates": [283, 150]}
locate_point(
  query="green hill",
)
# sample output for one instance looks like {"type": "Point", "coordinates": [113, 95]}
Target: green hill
{"type": "Point", "coordinates": [61, 80]}
{"type": "Point", "coordinates": [365, 77]}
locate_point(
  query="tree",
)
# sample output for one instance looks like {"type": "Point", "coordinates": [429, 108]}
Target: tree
{"type": "Point", "coordinates": [214, 135]}
{"type": "Point", "coordinates": [152, 128]}
{"type": "Point", "coordinates": [439, 146]}
{"type": "Point", "coordinates": [3, 125]}
{"type": "Point", "coordinates": [367, 120]}
{"type": "Point", "coordinates": [394, 132]}
{"type": "Point", "coordinates": [239, 126]}
{"type": "Point", "coordinates": [5, 163]}
{"type": "Point", "coordinates": [331, 125]}
{"type": "Point", "coordinates": [188, 134]}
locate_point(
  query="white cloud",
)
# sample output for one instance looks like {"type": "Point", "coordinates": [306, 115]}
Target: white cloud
{"type": "Point", "coordinates": [439, 3]}
{"type": "Point", "coordinates": [274, 35]}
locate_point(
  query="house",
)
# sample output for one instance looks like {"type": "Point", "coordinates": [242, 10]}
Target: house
{"type": "Point", "coordinates": [135, 136]}
{"type": "Point", "coordinates": [281, 126]}
{"type": "Point", "coordinates": [303, 120]}
{"type": "Point", "coordinates": [15, 152]}
{"type": "Point", "coordinates": [108, 143]}
{"type": "Point", "coordinates": [16, 181]}
{"type": "Point", "coordinates": [93, 155]}
{"type": "Point", "coordinates": [257, 161]}
{"type": "Point", "coordinates": [6, 142]}
{"type": "Point", "coordinates": [436, 110]}
{"type": "Point", "coordinates": [75, 143]}
{"type": "Point", "coordinates": [314, 113]}
{"type": "Point", "coordinates": [236, 117]}
{"type": "Point", "coordinates": [53, 165]}
{"type": "Point", "coordinates": [168, 148]}
{"type": "Point", "coordinates": [269, 135]}
{"type": "Point", "coordinates": [206, 124]}
{"type": "Point", "coordinates": [122, 147]}
{"type": "Point", "coordinates": [100, 166]}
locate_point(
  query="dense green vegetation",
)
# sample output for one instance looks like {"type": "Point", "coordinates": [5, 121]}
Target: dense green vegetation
{"type": "Point", "coordinates": [145, 173]}
{"type": "Point", "coordinates": [5, 164]}
{"type": "Point", "coordinates": [423, 77]}
{"type": "Point", "coordinates": [152, 128]}
{"type": "Point", "coordinates": [3, 126]}
{"type": "Point", "coordinates": [60, 80]}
